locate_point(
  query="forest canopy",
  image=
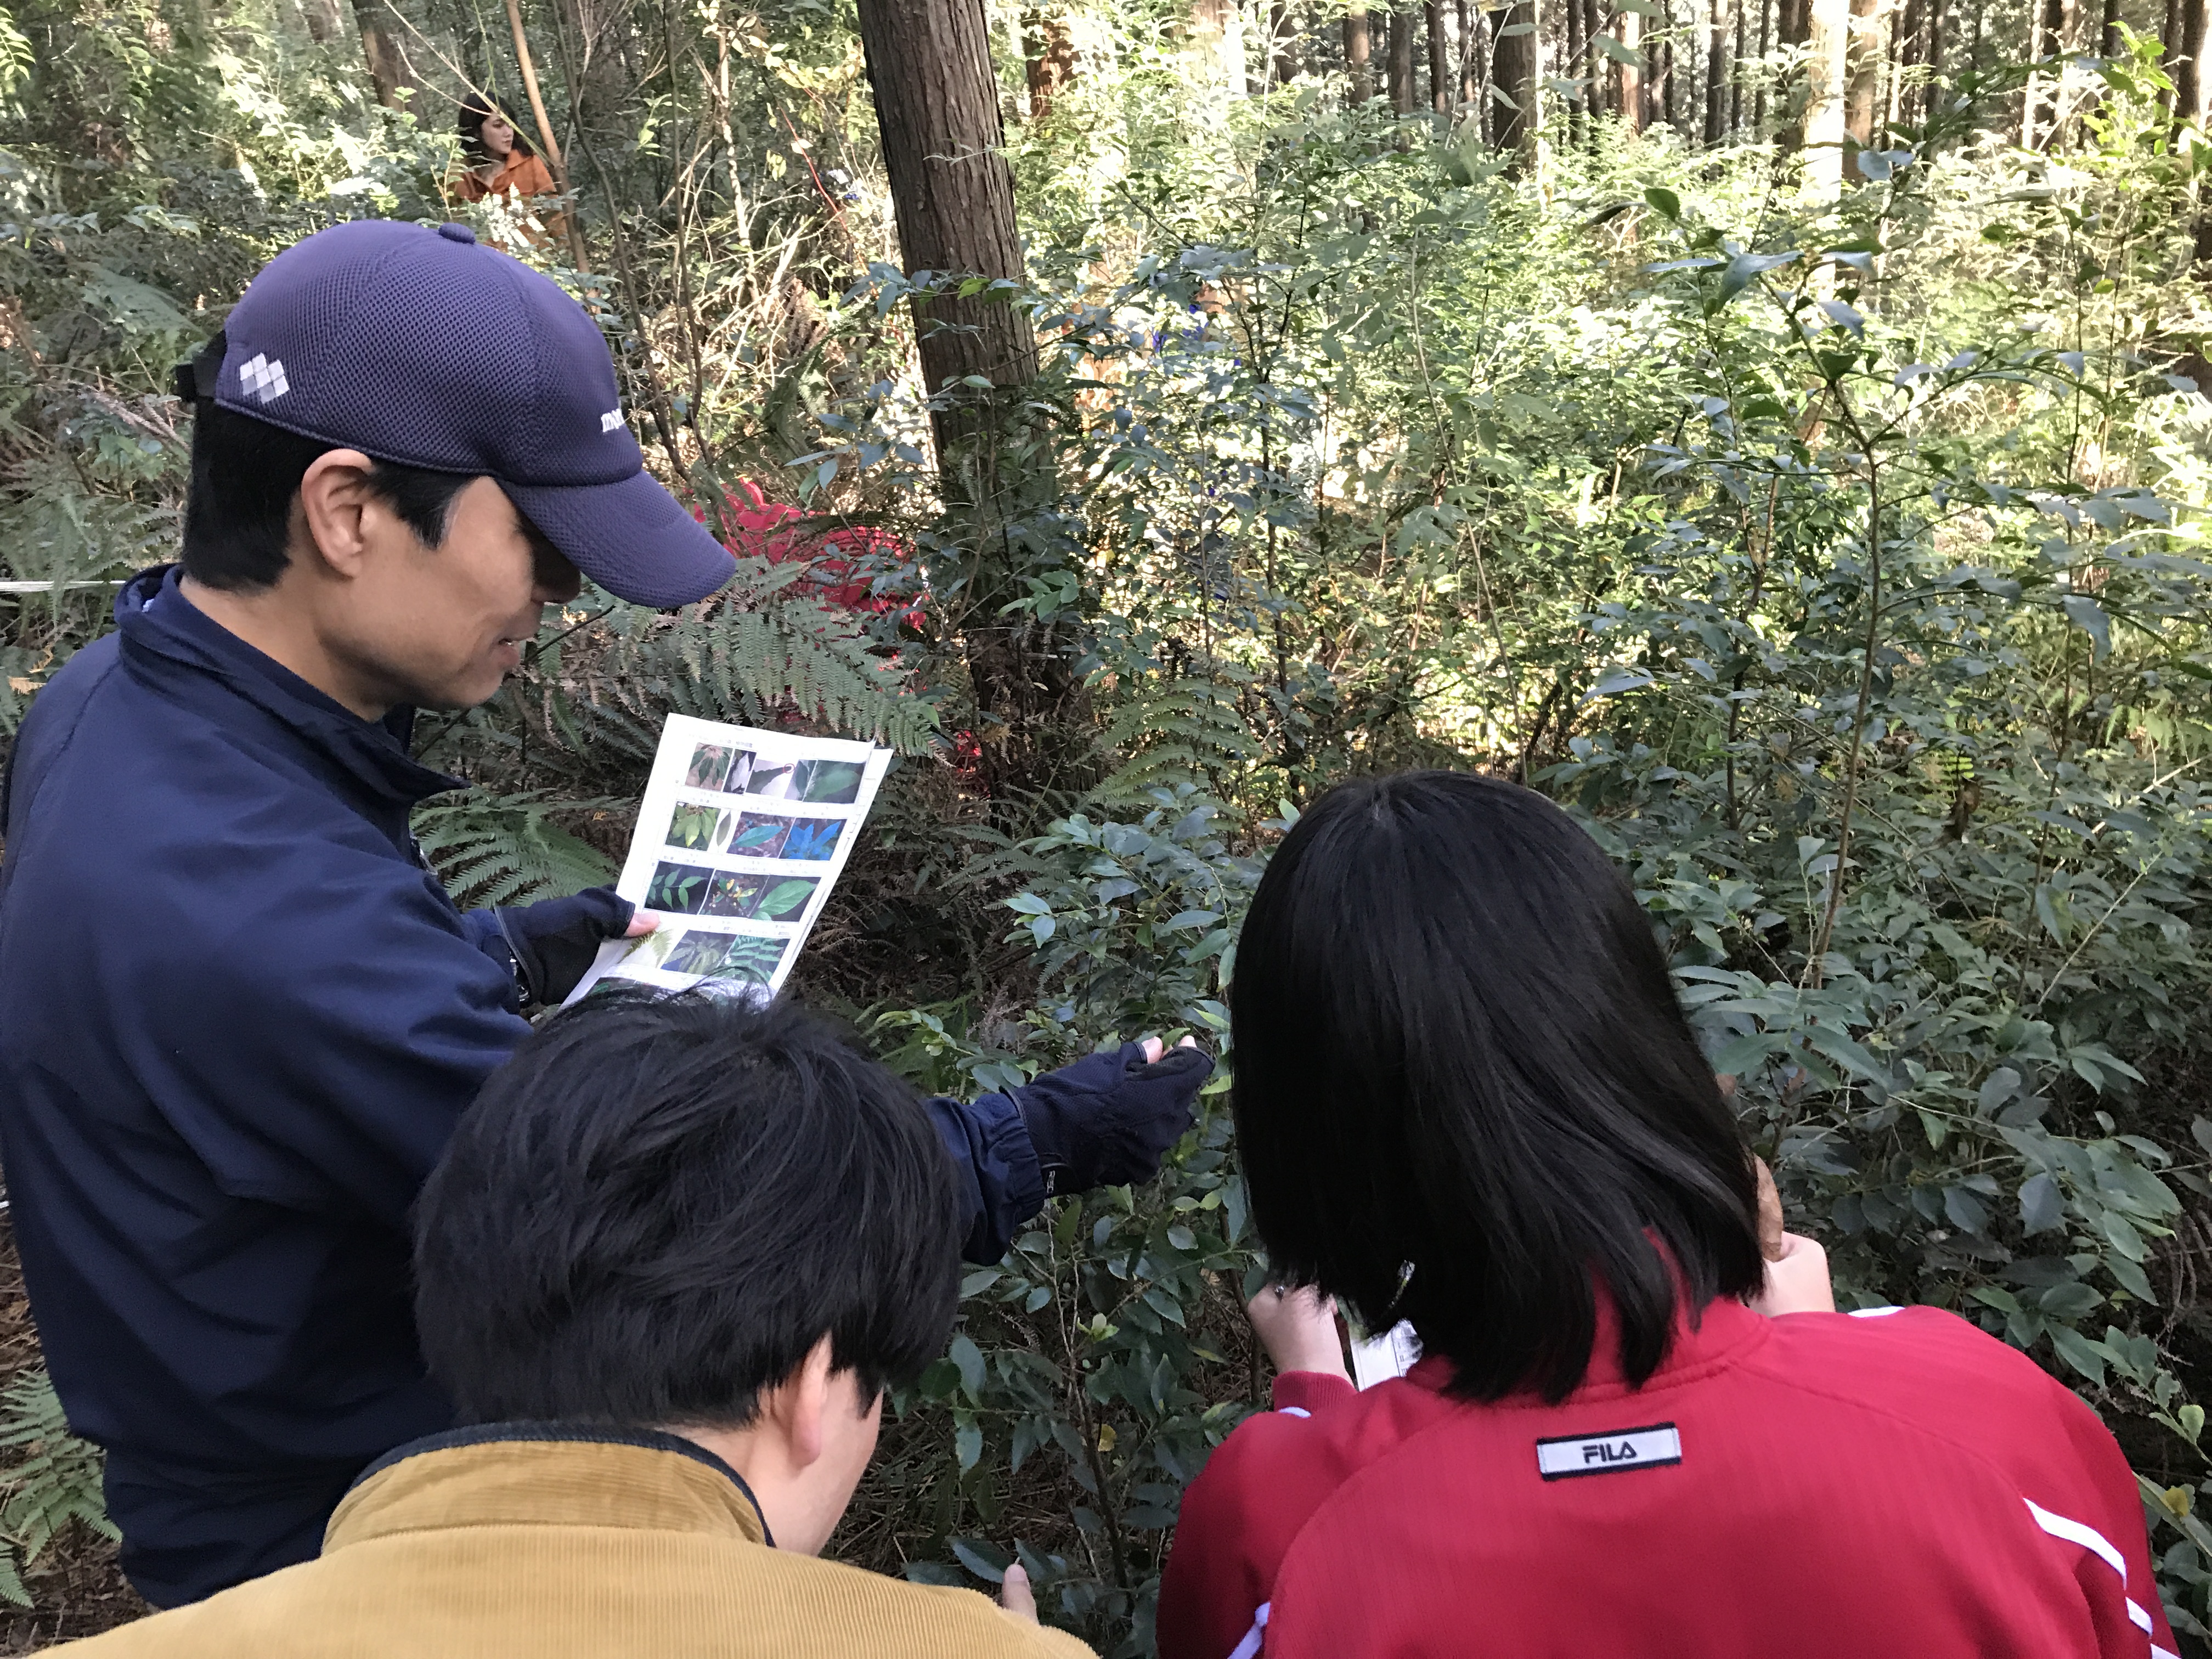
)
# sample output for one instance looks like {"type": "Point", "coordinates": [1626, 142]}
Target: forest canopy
{"type": "Point", "coordinates": [1777, 429]}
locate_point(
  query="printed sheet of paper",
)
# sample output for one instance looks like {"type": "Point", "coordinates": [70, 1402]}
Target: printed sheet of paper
{"type": "Point", "coordinates": [739, 840]}
{"type": "Point", "coordinates": [1378, 1358]}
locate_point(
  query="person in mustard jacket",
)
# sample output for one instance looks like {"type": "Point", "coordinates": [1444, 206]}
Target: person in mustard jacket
{"type": "Point", "coordinates": [671, 1262]}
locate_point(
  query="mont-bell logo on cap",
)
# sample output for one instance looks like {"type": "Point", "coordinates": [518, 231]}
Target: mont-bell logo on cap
{"type": "Point", "coordinates": [611, 420]}
{"type": "Point", "coordinates": [263, 378]}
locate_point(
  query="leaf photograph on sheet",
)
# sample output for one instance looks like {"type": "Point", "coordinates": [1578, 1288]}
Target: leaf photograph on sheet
{"type": "Point", "coordinates": [785, 899]}
{"type": "Point", "coordinates": [827, 782]}
{"type": "Point", "coordinates": [742, 762]}
{"type": "Point", "coordinates": [648, 950]}
{"type": "Point", "coordinates": [773, 781]}
{"type": "Point", "coordinates": [814, 839]}
{"type": "Point", "coordinates": [760, 835]}
{"type": "Point", "coordinates": [709, 768]}
{"type": "Point", "coordinates": [693, 827]}
{"type": "Point", "coordinates": [699, 952]}
{"type": "Point", "coordinates": [733, 894]}
{"type": "Point", "coordinates": [752, 958]}
{"type": "Point", "coordinates": [678, 889]}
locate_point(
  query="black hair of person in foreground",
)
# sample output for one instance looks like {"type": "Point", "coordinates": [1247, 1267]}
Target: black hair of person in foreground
{"type": "Point", "coordinates": [1440, 1069]}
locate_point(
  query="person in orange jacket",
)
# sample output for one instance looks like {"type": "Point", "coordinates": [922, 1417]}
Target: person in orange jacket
{"type": "Point", "coordinates": [501, 162]}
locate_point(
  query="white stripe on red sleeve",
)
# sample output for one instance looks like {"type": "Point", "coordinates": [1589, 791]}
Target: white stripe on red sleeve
{"type": "Point", "coordinates": [2077, 1531]}
{"type": "Point", "coordinates": [1254, 1638]}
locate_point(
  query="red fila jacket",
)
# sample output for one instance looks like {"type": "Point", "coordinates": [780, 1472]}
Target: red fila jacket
{"type": "Point", "coordinates": [1814, 1485]}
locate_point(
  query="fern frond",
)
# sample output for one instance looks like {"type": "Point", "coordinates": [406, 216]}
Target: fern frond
{"type": "Point", "coordinates": [506, 849]}
{"type": "Point", "coordinates": [736, 665]}
{"type": "Point", "coordinates": [55, 1481]}
{"type": "Point", "coordinates": [1172, 733]}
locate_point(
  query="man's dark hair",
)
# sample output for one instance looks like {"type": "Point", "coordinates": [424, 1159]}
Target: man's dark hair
{"type": "Point", "coordinates": [1459, 1054]}
{"type": "Point", "coordinates": [245, 476]}
{"type": "Point", "coordinates": [661, 1204]}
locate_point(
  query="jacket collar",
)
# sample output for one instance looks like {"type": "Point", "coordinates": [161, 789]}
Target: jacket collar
{"type": "Point", "coordinates": [548, 1475]}
{"type": "Point", "coordinates": [1723, 1332]}
{"type": "Point", "coordinates": [171, 641]}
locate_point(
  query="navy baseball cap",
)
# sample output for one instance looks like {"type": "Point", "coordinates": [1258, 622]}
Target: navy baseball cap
{"type": "Point", "coordinates": [422, 348]}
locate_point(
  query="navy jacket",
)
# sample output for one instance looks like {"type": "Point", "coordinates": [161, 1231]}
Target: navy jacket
{"type": "Point", "coordinates": [238, 1019]}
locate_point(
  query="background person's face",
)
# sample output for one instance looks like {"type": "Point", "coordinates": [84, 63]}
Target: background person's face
{"type": "Point", "coordinates": [498, 136]}
{"type": "Point", "coordinates": [441, 627]}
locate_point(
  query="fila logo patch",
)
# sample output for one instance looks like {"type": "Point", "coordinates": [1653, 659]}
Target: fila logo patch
{"type": "Point", "coordinates": [611, 420]}
{"type": "Point", "coordinates": [263, 378]}
{"type": "Point", "coordinates": [1607, 1454]}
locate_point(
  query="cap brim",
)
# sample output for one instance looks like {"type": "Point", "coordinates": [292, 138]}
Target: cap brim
{"type": "Point", "coordinates": [632, 538]}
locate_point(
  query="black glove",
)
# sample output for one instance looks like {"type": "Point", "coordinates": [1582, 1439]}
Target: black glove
{"type": "Point", "coordinates": [1109, 1118]}
{"type": "Point", "coordinates": [553, 943]}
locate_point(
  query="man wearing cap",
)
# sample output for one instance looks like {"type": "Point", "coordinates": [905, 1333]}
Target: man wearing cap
{"type": "Point", "coordinates": [239, 1016]}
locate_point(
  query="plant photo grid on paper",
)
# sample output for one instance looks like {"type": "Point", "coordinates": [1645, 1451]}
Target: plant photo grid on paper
{"type": "Point", "coordinates": [700, 951]}
{"type": "Point", "coordinates": [753, 957]}
{"type": "Point", "coordinates": [710, 766]}
{"type": "Point", "coordinates": [693, 826]}
{"type": "Point", "coordinates": [813, 839]}
{"type": "Point", "coordinates": [678, 889]}
{"type": "Point", "coordinates": [733, 894]}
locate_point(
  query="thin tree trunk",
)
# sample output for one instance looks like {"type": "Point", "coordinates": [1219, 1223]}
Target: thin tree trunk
{"type": "Point", "coordinates": [1513, 73]}
{"type": "Point", "coordinates": [1048, 58]}
{"type": "Point", "coordinates": [1735, 72]}
{"type": "Point", "coordinates": [1282, 45]}
{"type": "Point", "coordinates": [1664, 97]}
{"type": "Point", "coordinates": [937, 109]}
{"type": "Point", "coordinates": [1440, 63]}
{"type": "Point", "coordinates": [1471, 20]}
{"type": "Point", "coordinates": [1735, 81]}
{"type": "Point", "coordinates": [1358, 49]}
{"type": "Point", "coordinates": [1217, 30]}
{"type": "Point", "coordinates": [389, 72]}
{"type": "Point", "coordinates": [1828, 27]}
{"type": "Point", "coordinates": [1578, 67]}
{"type": "Point", "coordinates": [2170, 37]}
{"type": "Point", "coordinates": [1629, 27]}
{"type": "Point", "coordinates": [1716, 69]}
{"type": "Point", "coordinates": [1911, 31]}
{"type": "Point", "coordinates": [565, 226]}
{"type": "Point", "coordinates": [1931, 92]}
{"type": "Point", "coordinates": [1401, 58]}
{"type": "Point", "coordinates": [1863, 83]}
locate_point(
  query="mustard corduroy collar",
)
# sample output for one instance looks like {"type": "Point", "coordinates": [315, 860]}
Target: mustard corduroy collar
{"type": "Point", "coordinates": [555, 1475]}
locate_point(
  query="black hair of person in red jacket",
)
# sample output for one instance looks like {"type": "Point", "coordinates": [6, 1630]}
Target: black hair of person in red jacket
{"type": "Point", "coordinates": [1467, 1099]}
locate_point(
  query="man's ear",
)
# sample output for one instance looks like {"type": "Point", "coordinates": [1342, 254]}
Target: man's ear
{"type": "Point", "coordinates": [329, 519]}
{"type": "Point", "coordinates": [796, 1407]}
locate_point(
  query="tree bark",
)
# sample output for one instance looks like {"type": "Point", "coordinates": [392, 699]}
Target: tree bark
{"type": "Point", "coordinates": [1282, 45]}
{"type": "Point", "coordinates": [1578, 68]}
{"type": "Point", "coordinates": [389, 72]}
{"type": "Point", "coordinates": [937, 109]}
{"type": "Point", "coordinates": [1358, 51]}
{"type": "Point", "coordinates": [1628, 29]}
{"type": "Point", "coordinates": [323, 23]}
{"type": "Point", "coordinates": [566, 227]}
{"type": "Point", "coordinates": [1513, 73]}
{"type": "Point", "coordinates": [1827, 25]}
{"type": "Point", "coordinates": [1216, 29]}
{"type": "Point", "coordinates": [1868, 23]}
{"type": "Point", "coordinates": [1471, 21]}
{"type": "Point", "coordinates": [2187, 59]}
{"type": "Point", "coordinates": [2170, 39]}
{"type": "Point", "coordinates": [1735, 81]}
{"type": "Point", "coordinates": [1048, 58]}
{"type": "Point", "coordinates": [1716, 69]}
{"type": "Point", "coordinates": [1401, 58]}
{"type": "Point", "coordinates": [1440, 63]}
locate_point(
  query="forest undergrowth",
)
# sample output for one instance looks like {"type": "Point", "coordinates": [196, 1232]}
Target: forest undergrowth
{"type": "Point", "coordinates": [1837, 559]}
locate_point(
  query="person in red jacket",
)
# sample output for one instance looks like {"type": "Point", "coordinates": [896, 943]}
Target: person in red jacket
{"type": "Point", "coordinates": [1467, 1099]}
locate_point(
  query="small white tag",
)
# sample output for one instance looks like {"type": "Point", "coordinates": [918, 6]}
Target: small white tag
{"type": "Point", "coordinates": [1606, 1454]}
{"type": "Point", "coordinates": [611, 420]}
{"type": "Point", "coordinates": [263, 378]}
